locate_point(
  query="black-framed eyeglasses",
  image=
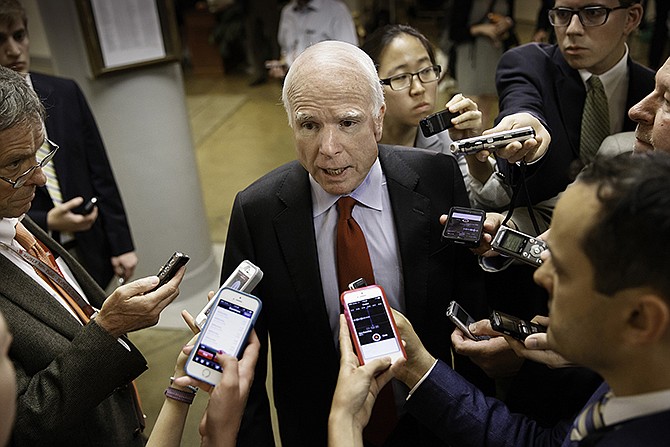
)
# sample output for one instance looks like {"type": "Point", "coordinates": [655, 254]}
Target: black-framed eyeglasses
{"type": "Point", "coordinates": [23, 178]}
{"type": "Point", "coordinates": [588, 16]}
{"type": "Point", "coordinates": [404, 80]}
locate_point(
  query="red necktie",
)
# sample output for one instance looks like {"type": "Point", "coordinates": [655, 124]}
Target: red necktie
{"type": "Point", "coordinates": [83, 310]}
{"type": "Point", "coordinates": [353, 262]}
{"type": "Point", "coordinates": [353, 258]}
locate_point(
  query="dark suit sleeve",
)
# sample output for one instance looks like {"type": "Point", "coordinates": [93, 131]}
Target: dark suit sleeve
{"type": "Point", "coordinates": [60, 396]}
{"type": "Point", "coordinates": [256, 428]}
{"type": "Point", "coordinates": [519, 85]}
{"type": "Point", "coordinates": [461, 415]}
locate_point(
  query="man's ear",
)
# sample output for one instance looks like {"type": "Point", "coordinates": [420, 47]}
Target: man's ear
{"type": "Point", "coordinates": [379, 123]}
{"type": "Point", "coordinates": [649, 319]}
{"type": "Point", "coordinates": [633, 18]}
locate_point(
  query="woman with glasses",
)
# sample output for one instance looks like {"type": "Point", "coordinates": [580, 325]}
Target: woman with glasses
{"type": "Point", "coordinates": [407, 68]}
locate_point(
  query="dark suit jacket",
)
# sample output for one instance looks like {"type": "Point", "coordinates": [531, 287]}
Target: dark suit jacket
{"type": "Point", "coordinates": [535, 78]}
{"type": "Point", "coordinates": [83, 170]}
{"type": "Point", "coordinates": [459, 413]}
{"type": "Point", "coordinates": [72, 380]}
{"type": "Point", "coordinates": [271, 225]}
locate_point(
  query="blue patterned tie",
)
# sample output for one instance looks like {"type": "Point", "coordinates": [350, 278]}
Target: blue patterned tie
{"type": "Point", "coordinates": [590, 419]}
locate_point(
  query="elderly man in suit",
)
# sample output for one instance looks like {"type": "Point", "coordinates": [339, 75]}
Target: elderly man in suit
{"type": "Point", "coordinates": [286, 224]}
{"type": "Point", "coordinates": [101, 240]}
{"type": "Point", "coordinates": [74, 365]}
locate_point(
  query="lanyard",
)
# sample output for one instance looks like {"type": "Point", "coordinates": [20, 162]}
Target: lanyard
{"type": "Point", "coordinates": [55, 277]}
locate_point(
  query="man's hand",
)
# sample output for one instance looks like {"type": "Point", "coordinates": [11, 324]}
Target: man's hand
{"type": "Point", "coordinates": [61, 217]}
{"type": "Point", "coordinates": [124, 265]}
{"type": "Point", "coordinates": [128, 309]}
{"type": "Point", "coordinates": [419, 360]}
{"type": "Point", "coordinates": [494, 355]}
{"type": "Point", "coordinates": [531, 150]}
{"type": "Point", "coordinates": [537, 349]}
{"type": "Point", "coordinates": [355, 394]}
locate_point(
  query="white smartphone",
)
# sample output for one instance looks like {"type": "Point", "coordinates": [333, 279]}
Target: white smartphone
{"type": "Point", "coordinates": [227, 329]}
{"type": "Point", "coordinates": [371, 324]}
{"type": "Point", "coordinates": [245, 277]}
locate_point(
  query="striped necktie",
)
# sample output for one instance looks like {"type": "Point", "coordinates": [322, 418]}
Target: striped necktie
{"type": "Point", "coordinates": [53, 186]}
{"type": "Point", "coordinates": [590, 419]}
{"type": "Point", "coordinates": [595, 120]}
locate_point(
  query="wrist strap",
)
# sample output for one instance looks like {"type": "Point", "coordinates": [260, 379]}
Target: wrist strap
{"type": "Point", "coordinates": [179, 395]}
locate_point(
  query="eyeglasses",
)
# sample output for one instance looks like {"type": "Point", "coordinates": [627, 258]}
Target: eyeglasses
{"type": "Point", "coordinates": [588, 16]}
{"type": "Point", "coordinates": [404, 80]}
{"type": "Point", "coordinates": [23, 178]}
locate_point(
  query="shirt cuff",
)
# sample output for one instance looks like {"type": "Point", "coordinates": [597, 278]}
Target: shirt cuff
{"type": "Point", "coordinates": [418, 384]}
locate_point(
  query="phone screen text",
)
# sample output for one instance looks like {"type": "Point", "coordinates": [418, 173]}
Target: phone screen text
{"type": "Point", "coordinates": [373, 327]}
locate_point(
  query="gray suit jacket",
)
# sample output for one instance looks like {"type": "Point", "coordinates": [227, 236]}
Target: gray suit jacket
{"type": "Point", "coordinates": [271, 225]}
{"type": "Point", "coordinates": [72, 380]}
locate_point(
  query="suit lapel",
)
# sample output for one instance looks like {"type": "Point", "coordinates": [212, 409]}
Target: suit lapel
{"type": "Point", "coordinates": [95, 295]}
{"type": "Point", "coordinates": [571, 94]}
{"type": "Point", "coordinates": [411, 215]}
{"type": "Point", "coordinates": [295, 233]}
{"type": "Point", "coordinates": [25, 293]}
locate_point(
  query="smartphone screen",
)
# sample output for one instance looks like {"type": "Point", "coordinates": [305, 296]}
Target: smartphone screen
{"type": "Point", "coordinates": [373, 328]}
{"type": "Point", "coordinates": [464, 226]}
{"type": "Point", "coordinates": [228, 326]}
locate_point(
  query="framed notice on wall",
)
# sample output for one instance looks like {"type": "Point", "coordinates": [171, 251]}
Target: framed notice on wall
{"type": "Point", "coordinates": [127, 34]}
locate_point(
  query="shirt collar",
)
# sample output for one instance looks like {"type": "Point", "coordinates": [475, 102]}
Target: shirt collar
{"type": "Point", "coordinates": [368, 193]}
{"type": "Point", "coordinates": [8, 229]}
{"type": "Point", "coordinates": [618, 409]}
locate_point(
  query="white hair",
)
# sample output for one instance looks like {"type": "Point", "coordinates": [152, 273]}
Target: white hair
{"type": "Point", "coordinates": [331, 56]}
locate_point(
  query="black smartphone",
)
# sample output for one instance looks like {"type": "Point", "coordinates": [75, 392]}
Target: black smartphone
{"type": "Point", "coordinates": [513, 326]}
{"type": "Point", "coordinates": [464, 226]}
{"type": "Point", "coordinates": [88, 206]}
{"type": "Point", "coordinates": [437, 122]}
{"type": "Point", "coordinates": [170, 268]}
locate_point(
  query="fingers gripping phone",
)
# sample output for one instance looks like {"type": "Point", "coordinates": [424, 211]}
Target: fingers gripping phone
{"type": "Point", "coordinates": [513, 326]}
{"type": "Point", "coordinates": [463, 320]}
{"type": "Point", "coordinates": [170, 268]}
{"type": "Point", "coordinates": [464, 226]}
{"type": "Point", "coordinates": [371, 324]}
{"type": "Point", "coordinates": [245, 277]}
{"type": "Point", "coordinates": [227, 329]}
{"type": "Point", "coordinates": [437, 122]}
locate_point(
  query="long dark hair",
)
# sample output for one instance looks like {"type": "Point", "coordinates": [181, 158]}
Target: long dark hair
{"type": "Point", "coordinates": [377, 42]}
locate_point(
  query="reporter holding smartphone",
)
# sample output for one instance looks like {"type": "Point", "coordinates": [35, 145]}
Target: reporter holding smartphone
{"type": "Point", "coordinates": [74, 367]}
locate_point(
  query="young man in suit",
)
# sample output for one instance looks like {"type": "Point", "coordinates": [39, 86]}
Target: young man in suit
{"type": "Point", "coordinates": [101, 240]}
{"type": "Point", "coordinates": [546, 86]}
{"type": "Point", "coordinates": [74, 366]}
{"type": "Point", "coordinates": [609, 311]}
{"type": "Point", "coordinates": [286, 224]}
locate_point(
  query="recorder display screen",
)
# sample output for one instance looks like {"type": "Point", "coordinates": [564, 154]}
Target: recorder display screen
{"type": "Point", "coordinates": [513, 242]}
{"type": "Point", "coordinates": [463, 226]}
{"type": "Point", "coordinates": [225, 332]}
{"type": "Point", "coordinates": [373, 327]}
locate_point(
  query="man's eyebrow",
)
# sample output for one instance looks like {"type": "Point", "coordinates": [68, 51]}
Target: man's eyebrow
{"type": "Point", "coordinates": [302, 116]}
